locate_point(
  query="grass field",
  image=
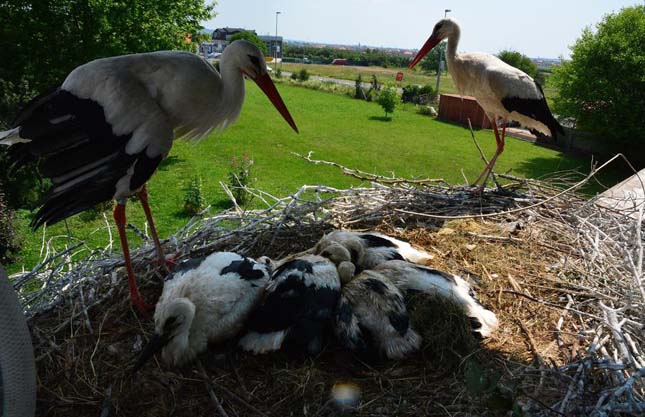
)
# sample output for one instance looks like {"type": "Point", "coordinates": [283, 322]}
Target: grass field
{"type": "Point", "coordinates": [334, 127]}
{"type": "Point", "coordinates": [386, 76]}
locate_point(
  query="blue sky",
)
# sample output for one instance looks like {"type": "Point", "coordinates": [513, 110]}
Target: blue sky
{"type": "Point", "coordinates": [538, 28]}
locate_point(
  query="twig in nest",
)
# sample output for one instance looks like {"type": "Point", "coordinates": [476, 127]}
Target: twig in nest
{"type": "Point", "coordinates": [366, 176]}
{"type": "Point", "coordinates": [209, 388]}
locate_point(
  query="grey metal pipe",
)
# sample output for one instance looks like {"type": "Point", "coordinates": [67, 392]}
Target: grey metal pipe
{"type": "Point", "coordinates": [17, 366]}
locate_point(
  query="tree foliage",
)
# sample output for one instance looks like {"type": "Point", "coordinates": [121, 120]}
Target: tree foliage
{"type": "Point", "coordinates": [42, 41]}
{"type": "Point", "coordinates": [251, 37]}
{"type": "Point", "coordinates": [603, 86]}
{"type": "Point", "coordinates": [430, 63]}
{"type": "Point", "coordinates": [519, 61]}
{"type": "Point", "coordinates": [364, 57]}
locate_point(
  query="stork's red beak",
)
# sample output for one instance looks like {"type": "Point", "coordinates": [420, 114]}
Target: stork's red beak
{"type": "Point", "coordinates": [264, 82]}
{"type": "Point", "coordinates": [427, 47]}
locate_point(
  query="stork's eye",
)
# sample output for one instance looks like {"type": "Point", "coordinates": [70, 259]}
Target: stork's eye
{"type": "Point", "coordinates": [171, 323]}
{"type": "Point", "coordinates": [255, 61]}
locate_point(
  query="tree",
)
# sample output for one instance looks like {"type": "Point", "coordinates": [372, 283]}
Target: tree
{"type": "Point", "coordinates": [519, 61]}
{"type": "Point", "coordinates": [387, 100]}
{"type": "Point", "coordinates": [251, 37]}
{"type": "Point", "coordinates": [603, 86]}
{"type": "Point", "coordinates": [42, 41]}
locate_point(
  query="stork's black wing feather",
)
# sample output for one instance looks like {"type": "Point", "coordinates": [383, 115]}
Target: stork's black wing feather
{"type": "Point", "coordinates": [536, 109]}
{"type": "Point", "coordinates": [77, 150]}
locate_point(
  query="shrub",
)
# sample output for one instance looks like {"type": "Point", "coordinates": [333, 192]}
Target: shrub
{"type": "Point", "coordinates": [387, 99]}
{"type": "Point", "coordinates": [375, 84]}
{"type": "Point", "coordinates": [278, 73]}
{"type": "Point", "coordinates": [359, 93]}
{"type": "Point", "coordinates": [303, 75]}
{"type": "Point", "coordinates": [9, 243]}
{"type": "Point", "coordinates": [294, 76]}
{"type": "Point", "coordinates": [418, 94]}
{"type": "Point", "coordinates": [239, 177]}
{"type": "Point", "coordinates": [193, 200]}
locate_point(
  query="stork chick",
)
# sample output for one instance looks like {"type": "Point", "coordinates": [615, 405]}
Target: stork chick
{"type": "Point", "coordinates": [370, 249]}
{"type": "Point", "coordinates": [409, 277]}
{"type": "Point", "coordinates": [297, 309]}
{"type": "Point", "coordinates": [206, 300]}
{"type": "Point", "coordinates": [372, 315]}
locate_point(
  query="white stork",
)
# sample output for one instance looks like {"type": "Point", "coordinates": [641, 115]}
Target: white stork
{"type": "Point", "coordinates": [205, 300]}
{"type": "Point", "coordinates": [372, 315]}
{"type": "Point", "coordinates": [409, 278]}
{"type": "Point", "coordinates": [503, 91]}
{"type": "Point", "coordinates": [102, 134]}
{"type": "Point", "coordinates": [369, 249]}
{"type": "Point", "coordinates": [297, 310]}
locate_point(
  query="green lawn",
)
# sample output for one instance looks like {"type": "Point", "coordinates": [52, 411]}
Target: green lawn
{"type": "Point", "coordinates": [336, 128]}
{"type": "Point", "coordinates": [386, 76]}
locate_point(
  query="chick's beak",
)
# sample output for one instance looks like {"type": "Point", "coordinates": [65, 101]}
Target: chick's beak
{"type": "Point", "coordinates": [266, 85]}
{"type": "Point", "coordinates": [156, 343]}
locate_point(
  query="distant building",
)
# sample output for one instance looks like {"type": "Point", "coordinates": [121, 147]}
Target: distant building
{"type": "Point", "coordinates": [221, 38]}
{"type": "Point", "coordinates": [273, 44]}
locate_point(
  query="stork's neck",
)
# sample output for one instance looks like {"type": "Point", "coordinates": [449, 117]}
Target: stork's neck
{"type": "Point", "coordinates": [453, 41]}
{"type": "Point", "coordinates": [232, 91]}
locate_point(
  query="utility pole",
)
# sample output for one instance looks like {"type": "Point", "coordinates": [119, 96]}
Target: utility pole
{"type": "Point", "coordinates": [275, 44]}
{"type": "Point", "coordinates": [445, 14]}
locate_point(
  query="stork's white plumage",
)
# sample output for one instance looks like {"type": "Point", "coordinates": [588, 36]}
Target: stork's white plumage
{"type": "Point", "coordinates": [368, 249]}
{"type": "Point", "coordinates": [503, 91]}
{"type": "Point", "coordinates": [206, 300]}
{"type": "Point", "coordinates": [298, 308]}
{"type": "Point", "coordinates": [102, 134]}
{"type": "Point", "coordinates": [372, 315]}
{"type": "Point", "coordinates": [408, 277]}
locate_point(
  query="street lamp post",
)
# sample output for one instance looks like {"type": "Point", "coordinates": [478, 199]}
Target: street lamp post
{"type": "Point", "coordinates": [275, 44]}
{"type": "Point", "coordinates": [445, 14]}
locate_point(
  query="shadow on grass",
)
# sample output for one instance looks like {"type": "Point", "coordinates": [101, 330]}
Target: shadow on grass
{"type": "Point", "coordinates": [380, 118]}
{"type": "Point", "coordinates": [170, 161]}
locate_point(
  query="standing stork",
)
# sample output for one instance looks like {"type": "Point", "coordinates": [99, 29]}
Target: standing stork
{"type": "Point", "coordinates": [503, 91]}
{"type": "Point", "coordinates": [102, 134]}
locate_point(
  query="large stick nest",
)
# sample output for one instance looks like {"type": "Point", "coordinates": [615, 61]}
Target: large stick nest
{"type": "Point", "coordinates": [564, 276]}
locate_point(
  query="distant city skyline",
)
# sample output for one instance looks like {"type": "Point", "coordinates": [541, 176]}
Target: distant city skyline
{"type": "Point", "coordinates": [543, 29]}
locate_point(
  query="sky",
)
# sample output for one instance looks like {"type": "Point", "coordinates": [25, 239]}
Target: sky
{"type": "Point", "coordinates": [537, 28]}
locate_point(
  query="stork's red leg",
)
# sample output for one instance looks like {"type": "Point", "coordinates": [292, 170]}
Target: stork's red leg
{"type": "Point", "coordinates": [135, 296]}
{"type": "Point", "coordinates": [143, 197]}
{"type": "Point", "coordinates": [500, 148]}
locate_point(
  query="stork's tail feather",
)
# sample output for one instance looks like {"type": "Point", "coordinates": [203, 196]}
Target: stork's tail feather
{"type": "Point", "coordinates": [484, 322]}
{"type": "Point", "coordinates": [552, 123]}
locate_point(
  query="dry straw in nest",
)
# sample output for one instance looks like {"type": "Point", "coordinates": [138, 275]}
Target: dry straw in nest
{"type": "Point", "coordinates": [564, 276]}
